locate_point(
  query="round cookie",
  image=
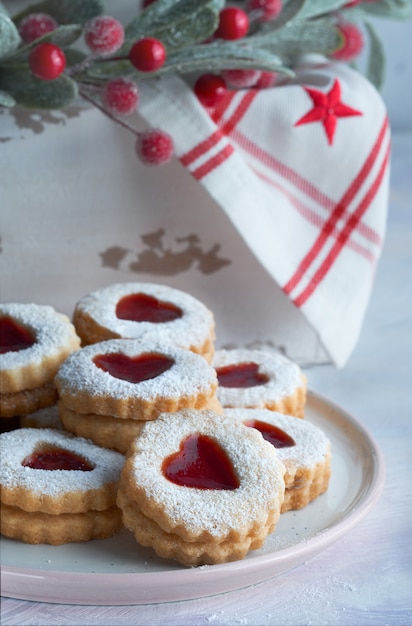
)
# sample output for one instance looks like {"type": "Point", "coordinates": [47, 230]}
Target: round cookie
{"type": "Point", "coordinates": [135, 379]}
{"type": "Point", "coordinates": [135, 310]}
{"type": "Point", "coordinates": [200, 488]}
{"type": "Point", "coordinates": [56, 488]}
{"type": "Point", "coordinates": [303, 448]}
{"type": "Point", "coordinates": [260, 379]}
{"type": "Point", "coordinates": [34, 341]}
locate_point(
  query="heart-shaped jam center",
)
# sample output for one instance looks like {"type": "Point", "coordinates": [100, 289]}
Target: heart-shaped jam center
{"type": "Point", "coordinates": [133, 369]}
{"type": "Point", "coordinates": [200, 463]}
{"type": "Point", "coordinates": [47, 457]}
{"type": "Point", "coordinates": [140, 307]}
{"type": "Point", "coordinates": [241, 375]}
{"type": "Point", "coordinates": [274, 435]}
{"type": "Point", "coordinates": [14, 336]}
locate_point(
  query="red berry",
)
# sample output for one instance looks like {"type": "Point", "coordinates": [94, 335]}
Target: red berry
{"type": "Point", "coordinates": [120, 95]}
{"type": "Point", "coordinates": [104, 34]}
{"type": "Point", "coordinates": [146, 3]}
{"type": "Point", "coordinates": [148, 54]}
{"type": "Point", "coordinates": [154, 147]}
{"type": "Point", "coordinates": [233, 23]}
{"type": "Point", "coordinates": [266, 80]}
{"type": "Point", "coordinates": [210, 89]}
{"type": "Point", "coordinates": [241, 79]}
{"type": "Point", "coordinates": [35, 25]}
{"type": "Point", "coordinates": [352, 42]}
{"type": "Point", "coordinates": [47, 61]}
{"type": "Point", "coordinates": [264, 10]}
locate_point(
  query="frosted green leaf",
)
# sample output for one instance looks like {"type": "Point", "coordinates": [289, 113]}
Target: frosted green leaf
{"type": "Point", "coordinates": [300, 37]}
{"type": "Point", "coordinates": [375, 71]}
{"type": "Point", "coordinates": [34, 93]}
{"type": "Point", "coordinates": [65, 11]}
{"type": "Point", "coordinates": [210, 57]}
{"type": "Point", "coordinates": [395, 9]}
{"type": "Point", "coordinates": [289, 11]}
{"type": "Point", "coordinates": [175, 24]}
{"type": "Point", "coordinates": [9, 36]}
{"type": "Point", "coordinates": [6, 100]}
{"type": "Point", "coordinates": [62, 36]}
{"type": "Point", "coordinates": [315, 8]}
{"type": "Point", "coordinates": [215, 56]}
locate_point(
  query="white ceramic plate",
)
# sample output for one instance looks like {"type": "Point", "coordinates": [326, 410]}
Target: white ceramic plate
{"type": "Point", "coordinates": [117, 571]}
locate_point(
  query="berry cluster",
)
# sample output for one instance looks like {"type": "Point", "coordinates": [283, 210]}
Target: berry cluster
{"type": "Point", "coordinates": [234, 23]}
{"type": "Point", "coordinates": [104, 36]}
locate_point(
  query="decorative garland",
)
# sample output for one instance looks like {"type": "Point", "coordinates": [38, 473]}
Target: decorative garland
{"type": "Point", "coordinates": [214, 45]}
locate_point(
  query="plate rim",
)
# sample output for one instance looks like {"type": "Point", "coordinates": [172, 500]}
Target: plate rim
{"type": "Point", "coordinates": [125, 586]}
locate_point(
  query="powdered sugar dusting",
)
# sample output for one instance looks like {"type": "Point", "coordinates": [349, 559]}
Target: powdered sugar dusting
{"type": "Point", "coordinates": [284, 377]}
{"type": "Point", "coordinates": [192, 329]}
{"type": "Point", "coordinates": [312, 445]}
{"type": "Point", "coordinates": [43, 418]}
{"type": "Point", "coordinates": [18, 444]}
{"type": "Point", "coordinates": [189, 374]}
{"type": "Point", "coordinates": [255, 462]}
{"type": "Point", "coordinates": [51, 330]}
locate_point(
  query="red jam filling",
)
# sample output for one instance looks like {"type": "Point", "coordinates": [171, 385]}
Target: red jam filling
{"type": "Point", "coordinates": [14, 336]}
{"type": "Point", "coordinates": [139, 307]}
{"type": "Point", "coordinates": [133, 369]}
{"type": "Point", "coordinates": [200, 463]}
{"type": "Point", "coordinates": [54, 458]}
{"type": "Point", "coordinates": [241, 375]}
{"type": "Point", "coordinates": [274, 435]}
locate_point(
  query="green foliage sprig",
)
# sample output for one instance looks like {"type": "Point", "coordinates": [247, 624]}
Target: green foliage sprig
{"type": "Point", "coordinates": [186, 29]}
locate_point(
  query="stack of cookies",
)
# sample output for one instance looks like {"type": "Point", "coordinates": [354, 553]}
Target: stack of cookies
{"type": "Point", "coordinates": [196, 451]}
{"type": "Point", "coordinates": [34, 342]}
{"type": "Point", "coordinates": [108, 390]}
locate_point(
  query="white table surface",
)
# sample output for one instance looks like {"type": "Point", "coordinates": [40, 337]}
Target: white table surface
{"type": "Point", "coordinates": [365, 578]}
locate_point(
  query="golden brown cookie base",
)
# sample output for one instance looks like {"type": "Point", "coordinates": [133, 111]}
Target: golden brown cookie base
{"type": "Point", "coordinates": [289, 405]}
{"type": "Point", "coordinates": [91, 332]}
{"type": "Point", "coordinates": [297, 497]}
{"type": "Point", "coordinates": [104, 430]}
{"type": "Point", "coordinates": [190, 553]}
{"type": "Point", "coordinates": [34, 374]}
{"type": "Point", "coordinates": [130, 492]}
{"type": "Point", "coordinates": [107, 431]}
{"type": "Point", "coordinates": [36, 528]}
{"type": "Point", "coordinates": [98, 499]}
{"type": "Point", "coordinates": [28, 401]}
{"type": "Point", "coordinates": [134, 407]}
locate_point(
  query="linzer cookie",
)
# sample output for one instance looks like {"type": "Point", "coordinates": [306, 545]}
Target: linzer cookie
{"type": "Point", "coordinates": [134, 310]}
{"type": "Point", "coordinates": [34, 341]}
{"type": "Point", "coordinates": [57, 488]}
{"type": "Point", "coordinates": [201, 488]}
{"type": "Point", "coordinates": [43, 418]}
{"type": "Point", "coordinates": [303, 448]}
{"type": "Point", "coordinates": [260, 379]}
{"type": "Point", "coordinates": [104, 430]}
{"type": "Point", "coordinates": [125, 380]}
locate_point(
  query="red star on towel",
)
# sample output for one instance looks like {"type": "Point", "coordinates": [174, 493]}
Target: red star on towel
{"type": "Point", "coordinates": [327, 108]}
